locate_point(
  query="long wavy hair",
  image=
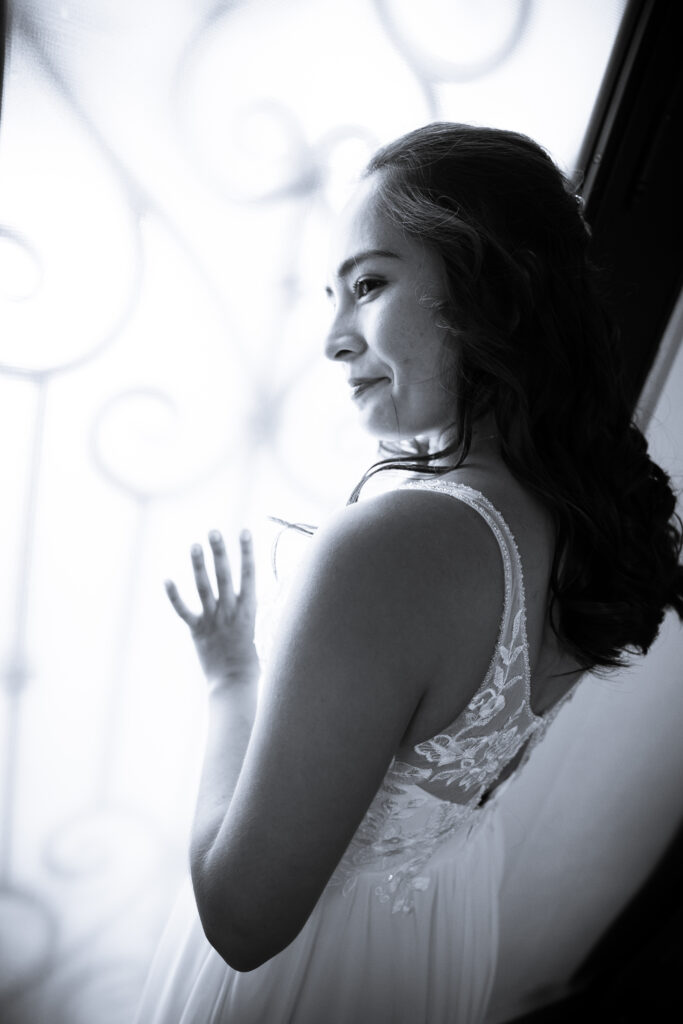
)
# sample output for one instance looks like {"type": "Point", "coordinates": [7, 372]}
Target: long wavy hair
{"type": "Point", "coordinates": [536, 347]}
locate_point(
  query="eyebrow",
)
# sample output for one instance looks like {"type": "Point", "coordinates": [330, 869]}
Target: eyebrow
{"type": "Point", "coordinates": [367, 254]}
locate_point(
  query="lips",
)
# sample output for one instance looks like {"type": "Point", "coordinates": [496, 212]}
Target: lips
{"type": "Point", "coordinates": [359, 385]}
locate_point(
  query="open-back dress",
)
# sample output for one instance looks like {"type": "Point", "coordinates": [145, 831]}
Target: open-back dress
{"type": "Point", "coordinates": [406, 930]}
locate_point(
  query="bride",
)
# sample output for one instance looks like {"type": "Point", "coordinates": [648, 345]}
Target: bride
{"type": "Point", "coordinates": [346, 854]}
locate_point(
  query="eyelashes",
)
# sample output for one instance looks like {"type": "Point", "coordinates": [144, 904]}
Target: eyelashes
{"type": "Point", "coordinates": [365, 285]}
{"type": "Point", "coordinates": [361, 287]}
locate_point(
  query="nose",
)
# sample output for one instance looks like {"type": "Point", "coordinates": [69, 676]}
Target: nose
{"type": "Point", "coordinates": [343, 341]}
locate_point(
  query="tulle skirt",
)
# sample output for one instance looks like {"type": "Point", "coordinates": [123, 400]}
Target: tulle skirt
{"type": "Point", "coordinates": [355, 961]}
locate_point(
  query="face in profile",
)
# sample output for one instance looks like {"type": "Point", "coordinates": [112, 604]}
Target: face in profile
{"type": "Point", "coordinates": [384, 332]}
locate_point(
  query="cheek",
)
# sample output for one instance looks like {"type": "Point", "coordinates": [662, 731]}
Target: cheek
{"type": "Point", "coordinates": [421, 358]}
{"type": "Point", "coordinates": [409, 340]}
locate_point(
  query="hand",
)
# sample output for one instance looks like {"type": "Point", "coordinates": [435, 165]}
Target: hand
{"type": "Point", "coordinates": [224, 632]}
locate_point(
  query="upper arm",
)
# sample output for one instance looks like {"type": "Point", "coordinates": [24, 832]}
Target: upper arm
{"type": "Point", "coordinates": [364, 632]}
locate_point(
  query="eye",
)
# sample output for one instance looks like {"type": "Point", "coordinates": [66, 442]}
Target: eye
{"type": "Point", "coordinates": [364, 285]}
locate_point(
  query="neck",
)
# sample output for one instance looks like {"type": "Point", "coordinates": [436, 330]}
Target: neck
{"type": "Point", "coordinates": [484, 447]}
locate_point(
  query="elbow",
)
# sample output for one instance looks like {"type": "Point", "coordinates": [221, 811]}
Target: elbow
{"type": "Point", "coordinates": [243, 947]}
{"type": "Point", "coordinates": [242, 953]}
{"type": "Point", "coordinates": [239, 956]}
{"type": "Point", "coordinates": [245, 926]}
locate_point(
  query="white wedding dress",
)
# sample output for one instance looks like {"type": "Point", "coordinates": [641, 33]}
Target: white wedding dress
{"type": "Point", "coordinates": [406, 931]}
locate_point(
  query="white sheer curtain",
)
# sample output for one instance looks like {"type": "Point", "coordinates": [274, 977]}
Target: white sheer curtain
{"type": "Point", "coordinates": [168, 171]}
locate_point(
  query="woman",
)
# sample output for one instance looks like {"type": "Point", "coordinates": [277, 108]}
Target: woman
{"type": "Point", "coordinates": [346, 852]}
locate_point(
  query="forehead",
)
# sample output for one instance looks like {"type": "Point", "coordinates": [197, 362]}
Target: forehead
{"type": "Point", "coordinates": [362, 225]}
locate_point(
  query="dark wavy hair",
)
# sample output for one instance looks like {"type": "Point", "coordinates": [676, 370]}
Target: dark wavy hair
{"type": "Point", "coordinates": [536, 347]}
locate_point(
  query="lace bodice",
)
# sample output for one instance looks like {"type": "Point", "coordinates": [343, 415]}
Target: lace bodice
{"type": "Point", "coordinates": [441, 786]}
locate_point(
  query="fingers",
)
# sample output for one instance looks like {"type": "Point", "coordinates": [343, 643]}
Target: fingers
{"type": "Point", "coordinates": [227, 599]}
{"type": "Point", "coordinates": [179, 605]}
{"type": "Point", "coordinates": [201, 578]}
{"type": "Point", "coordinates": [226, 594]}
{"type": "Point", "coordinates": [247, 575]}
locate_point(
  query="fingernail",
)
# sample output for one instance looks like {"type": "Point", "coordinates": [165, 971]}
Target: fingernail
{"type": "Point", "coordinates": [196, 549]}
{"type": "Point", "coordinates": [245, 536]}
{"type": "Point", "coordinates": [214, 536]}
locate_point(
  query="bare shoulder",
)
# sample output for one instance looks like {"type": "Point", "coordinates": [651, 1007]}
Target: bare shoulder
{"type": "Point", "coordinates": [423, 559]}
{"type": "Point", "coordinates": [413, 535]}
{"type": "Point", "coordinates": [397, 606]}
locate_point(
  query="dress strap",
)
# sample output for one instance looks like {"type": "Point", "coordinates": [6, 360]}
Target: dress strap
{"type": "Point", "coordinates": [512, 633]}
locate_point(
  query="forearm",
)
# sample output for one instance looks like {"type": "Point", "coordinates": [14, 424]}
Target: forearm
{"type": "Point", "coordinates": [231, 713]}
